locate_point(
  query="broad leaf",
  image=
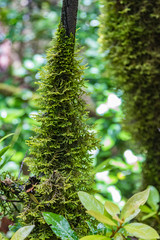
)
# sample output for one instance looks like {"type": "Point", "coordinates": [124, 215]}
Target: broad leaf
{"type": "Point", "coordinates": [2, 152]}
{"type": "Point", "coordinates": [59, 226]}
{"type": "Point", "coordinates": [95, 237]}
{"type": "Point", "coordinates": [101, 218]}
{"type": "Point", "coordinates": [132, 205]}
{"type": "Point", "coordinates": [6, 137]}
{"type": "Point", "coordinates": [136, 212]}
{"type": "Point", "coordinates": [107, 214]}
{"type": "Point", "coordinates": [140, 230]}
{"type": "Point", "coordinates": [90, 202]}
{"type": "Point", "coordinates": [22, 233]}
{"type": "Point", "coordinates": [153, 198]}
{"type": "Point", "coordinates": [112, 208]}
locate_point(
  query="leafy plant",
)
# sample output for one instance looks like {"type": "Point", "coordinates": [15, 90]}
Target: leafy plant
{"type": "Point", "coordinates": [59, 226]}
{"type": "Point", "coordinates": [151, 208]}
{"type": "Point", "coordinates": [115, 222]}
{"type": "Point", "coordinates": [21, 234]}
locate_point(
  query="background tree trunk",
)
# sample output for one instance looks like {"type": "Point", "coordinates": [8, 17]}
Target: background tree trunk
{"type": "Point", "coordinates": [130, 30]}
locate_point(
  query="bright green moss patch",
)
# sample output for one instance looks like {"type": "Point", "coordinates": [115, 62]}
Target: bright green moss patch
{"type": "Point", "coordinates": [59, 152]}
{"type": "Point", "coordinates": [130, 32]}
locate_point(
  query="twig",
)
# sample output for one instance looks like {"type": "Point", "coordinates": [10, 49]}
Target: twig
{"type": "Point", "coordinates": [22, 165]}
{"type": "Point", "coordinates": [9, 200]}
{"type": "Point", "coordinates": [114, 232]}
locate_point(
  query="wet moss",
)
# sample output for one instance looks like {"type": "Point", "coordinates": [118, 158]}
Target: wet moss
{"type": "Point", "coordinates": [130, 33]}
{"type": "Point", "coordinates": [59, 151]}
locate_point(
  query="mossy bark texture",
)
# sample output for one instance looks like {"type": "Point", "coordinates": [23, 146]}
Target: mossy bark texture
{"type": "Point", "coordinates": [130, 36]}
{"type": "Point", "coordinates": [59, 152]}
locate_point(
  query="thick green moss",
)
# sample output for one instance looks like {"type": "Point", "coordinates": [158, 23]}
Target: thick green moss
{"type": "Point", "coordinates": [130, 34]}
{"type": "Point", "coordinates": [59, 152]}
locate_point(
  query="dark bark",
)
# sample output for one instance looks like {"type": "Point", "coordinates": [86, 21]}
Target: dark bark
{"type": "Point", "coordinates": [69, 16]}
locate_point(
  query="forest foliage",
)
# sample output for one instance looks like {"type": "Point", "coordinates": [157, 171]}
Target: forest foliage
{"type": "Point", "coordinates": [59, 153]}
{"type": "Point", "coordinates": [31, 28]}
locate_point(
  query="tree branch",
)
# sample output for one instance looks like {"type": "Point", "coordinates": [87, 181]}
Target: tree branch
{"type": "Point", "coordinates": [69, 16]}
{"type": "Point", "coordinates": [9, 200]}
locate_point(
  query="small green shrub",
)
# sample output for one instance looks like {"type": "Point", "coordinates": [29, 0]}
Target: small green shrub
{"type": "Point", "coordinates": [150, 211]}
{"type": "Point", "coordinates": [114, 223]}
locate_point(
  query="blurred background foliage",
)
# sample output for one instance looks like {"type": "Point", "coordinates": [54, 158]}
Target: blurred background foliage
{"type": "Point", "coordinates": [26, 28]}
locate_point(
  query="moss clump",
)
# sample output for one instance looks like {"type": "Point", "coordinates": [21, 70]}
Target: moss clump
{"type": "Point", "coordinates": [130, 32]}
{"type": "Point", "coordinates": [59, 152]}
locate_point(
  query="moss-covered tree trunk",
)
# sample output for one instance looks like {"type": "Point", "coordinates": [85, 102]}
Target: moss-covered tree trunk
{"type": "Point", "coordinates": [130, 32]}
{"type": "Point", "coordinates": [59, 151]}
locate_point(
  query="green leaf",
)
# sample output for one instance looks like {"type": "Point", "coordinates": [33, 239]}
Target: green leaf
{"type": "Point", "coordinates": [131, 208]}
{"type": "Point", "coordinates": [2, 152]}
{"type": "Point", "coordinates": [33, 198]}
{"type": "Point", "coordinates": [145, 209]}
{"type": "Point", "coordinates": [6, 137]}
{"type": "Point", "coordinates": [137, 211]}
{"type": "Point", "coordinates": [95, 237]}
{"type": "Point", "coordinates": [59, 226]}
{"type": "Point", "coordinates": [140, 230]}
{"type": "Point", "coordinates": [22, 233]}
{"type": "Point", "coordinates": [111, 208]}
{"type": "Point", "coordinates": [103, 166]}
{"type": "Point", "coordinates": [90, 202]}
{"type": "Point", "coordinates": [143, 239]}
{"type": "Point", "coordinates": [148, 216]}
{"type": "Point", "coordinates": [101, 218]}
{"type": "Point", "coordinates": [1, 237]}
{"type": "Point", "coordinates": [153, 198]}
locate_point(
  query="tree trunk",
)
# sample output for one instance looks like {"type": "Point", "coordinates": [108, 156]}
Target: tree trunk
{"type": "Point", "coordinates": [59, 151]}
{"type": "Point", "coordinates": [130, 31]}
{"type": "Point", "coordinates": [69, 16]}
